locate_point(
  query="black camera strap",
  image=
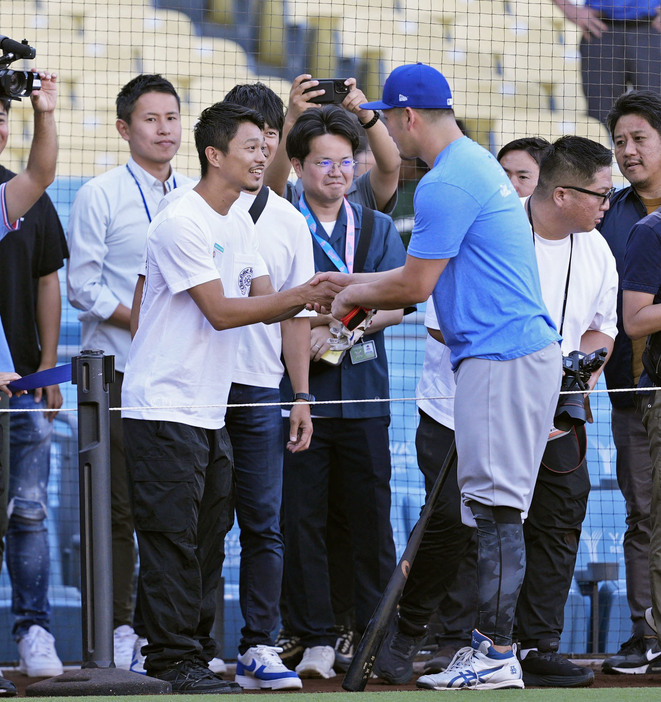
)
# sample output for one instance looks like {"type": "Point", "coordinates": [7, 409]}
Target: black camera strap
{"type": "Point", "coordinates": [259, 204]}
{"type": "Point", "coordinates": [571, 253]}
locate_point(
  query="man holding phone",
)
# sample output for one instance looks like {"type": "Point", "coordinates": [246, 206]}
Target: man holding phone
{"type": "Point", "coordinates": [377, 188]}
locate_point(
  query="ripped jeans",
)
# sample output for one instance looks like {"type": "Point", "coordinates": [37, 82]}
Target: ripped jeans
{"type": "Point", "coordinates": [28, 558]}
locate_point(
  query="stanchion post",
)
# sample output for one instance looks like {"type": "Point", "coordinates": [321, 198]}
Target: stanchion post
{"type": "Point", "coordinates": [92, 373]}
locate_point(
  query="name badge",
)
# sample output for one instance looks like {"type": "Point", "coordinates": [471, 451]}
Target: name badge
{"type": "Point", "coordinates": [363, 352]}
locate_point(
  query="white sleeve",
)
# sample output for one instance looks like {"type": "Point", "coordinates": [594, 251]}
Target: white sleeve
{"type": "Point", "coordinates": [605, 319]}
{"type": "Point", "coordinates": [88, 226]}
{"type": "Point", "coordinates": [181, 251]}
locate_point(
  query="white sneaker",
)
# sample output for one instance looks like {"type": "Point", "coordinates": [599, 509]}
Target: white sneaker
{"type": "Point", "coordinates": [317, 662]}
{"type": "Point", "coordinates": [477, 667]}
{"type": "Point", "coordinates": [260, 667]}
{"type": "Point", "coordinates": [123, 641]}
{"type": "Point", "coordinates": [38, 657]}
{"type": "Point", "coordinates": [137, 659]}
{"type": "Point", "coordinates": [217, 665]}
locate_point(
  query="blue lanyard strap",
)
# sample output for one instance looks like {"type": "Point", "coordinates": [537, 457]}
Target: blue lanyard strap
{"type": "Point", "coordinates": [142, 195]}
{"type": "Point", "coordinates": [332, 254]}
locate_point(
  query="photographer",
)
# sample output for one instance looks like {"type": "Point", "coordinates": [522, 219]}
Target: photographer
{"type": "Point", "coordinates": [579, 286]}
{"type": "Point", "coordinates": [17, 196]}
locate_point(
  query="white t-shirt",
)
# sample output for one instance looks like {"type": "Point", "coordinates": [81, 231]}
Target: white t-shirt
{"type": "Point", "coordinates": [593, 283]}
{"type": "Point", "coordinates": [437, 379]}
{"type": "Point", "coordinates": [285, 245]}
{"type": "Point", "coordinates": [177, 359]}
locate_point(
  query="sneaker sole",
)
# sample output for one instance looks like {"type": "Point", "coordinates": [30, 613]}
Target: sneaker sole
{"type": "Point", "coordinates": [558, 680]}
{"type": "Point", "coordinates": [41, 672]}
{"type": "Point", "coordinates": [314, 674]}
{"type": "Point", "coordinates": [615, 670]}
{"type": "Point", "coordinates": [509, 684]}
{"type": "Point", "coordinates": [248, 683]}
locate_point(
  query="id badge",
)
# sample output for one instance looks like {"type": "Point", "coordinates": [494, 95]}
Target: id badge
{"type": "Point", "coordinates": [363, 352]}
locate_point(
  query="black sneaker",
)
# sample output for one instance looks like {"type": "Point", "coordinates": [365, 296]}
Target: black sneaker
{"type": "Point", "coordinates": [292, 649]}
{"type": "Point", "coordinates": [550, 669]}
{"type": "Point", "coordinates": [194, 678]}
{"type": "Point", "coordinates": [344, 648]}
{"type": "Point", "coordinates": [634, 656]}
{"type": "Point", "coordinates": [7, 687]}
{"type": "Point", "coordinates": [394, 664]}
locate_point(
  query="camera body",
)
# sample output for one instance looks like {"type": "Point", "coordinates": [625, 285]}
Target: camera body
{"type": "Point", "coordinates": [335, 93]}
{"type": "Point", "coordinates": [15, 85]}
{"type": "Point", "coordinates": [578, 367]}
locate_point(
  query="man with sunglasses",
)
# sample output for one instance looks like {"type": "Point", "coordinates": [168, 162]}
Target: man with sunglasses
{"type": "Point", "coordinates": [350, 440]}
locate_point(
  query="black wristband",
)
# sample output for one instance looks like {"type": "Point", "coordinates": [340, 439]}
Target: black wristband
{"type": "Point", "coordinates": [304, 396]}
{"type": "Point", "coordinates": [372, 122]}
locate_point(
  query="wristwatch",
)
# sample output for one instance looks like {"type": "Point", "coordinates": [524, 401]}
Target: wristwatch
{"type": "Point", "coordinates": [304, 396]}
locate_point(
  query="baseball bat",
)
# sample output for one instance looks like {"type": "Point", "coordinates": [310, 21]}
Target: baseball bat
{"type": "Point", "coordinates": [360, 668]}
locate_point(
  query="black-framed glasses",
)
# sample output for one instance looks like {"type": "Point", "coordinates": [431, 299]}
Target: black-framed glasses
{"type": "Point", "coordinates": [604, 196]}
{"type": "Point", "coordinates": [346, 165]}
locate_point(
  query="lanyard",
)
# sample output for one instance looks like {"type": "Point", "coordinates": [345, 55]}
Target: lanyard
{"type": "Point", "coordinates": [142, 195]}
{"type": "Point", "coordinates": [571, 251]}
{"type": "Point", "coordinates": [350, 241]}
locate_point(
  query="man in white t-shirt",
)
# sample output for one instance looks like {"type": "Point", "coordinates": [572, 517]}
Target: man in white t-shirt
{"type": "Point", "coordinates": [204, 280]}
{"type": "Point", "coordinates": [107, 232]}
{"type": "Point", "coordinates": [579, 285]}
{"type": "Point", "coordinates": [256, 433]}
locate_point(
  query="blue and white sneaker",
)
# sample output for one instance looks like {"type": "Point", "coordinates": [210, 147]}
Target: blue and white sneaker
{"type": "Point", "coordinates": [478, 667]}
{"type": "Point", "coordinates": [260, 667]}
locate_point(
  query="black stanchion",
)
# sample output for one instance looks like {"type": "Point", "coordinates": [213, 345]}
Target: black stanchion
{"type": "Point", "coordinates": [92, 372]}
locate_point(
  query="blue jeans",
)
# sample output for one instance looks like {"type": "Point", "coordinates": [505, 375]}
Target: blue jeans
{"type": "Point", "coordinates": [257, 441]}
{"type": "Point", "coordinates": [28, 558]}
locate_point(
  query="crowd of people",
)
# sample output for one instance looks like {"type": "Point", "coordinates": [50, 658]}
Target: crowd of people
{"type": "Point", "coordinates": [221, 298]}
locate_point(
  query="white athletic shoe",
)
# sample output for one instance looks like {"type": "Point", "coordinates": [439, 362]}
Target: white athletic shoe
{"type": "Point", "coordinates": [217, 665]}
{"type": "Point", "coordinates": [478, 667]}
{"type": "Point", "coordinates": [317, 662]}
{"type": "Point", "coordinates": [260, 667]}
{"type": "Point", "coordinates": [123, 641]}
{"type": "Point", "coordinates": [38, 657]}
{"type": "Point", "coordinates": [137, 659]}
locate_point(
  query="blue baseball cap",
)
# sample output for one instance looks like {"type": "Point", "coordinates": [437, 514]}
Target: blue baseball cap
{"type": "Point", "coordinates": [414, 85]}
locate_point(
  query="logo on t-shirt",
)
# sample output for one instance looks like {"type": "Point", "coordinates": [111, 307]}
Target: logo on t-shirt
{"type": "Point", "coordinates": [506, 190]}
{"type": "Point", "coordinates": [245, 278]}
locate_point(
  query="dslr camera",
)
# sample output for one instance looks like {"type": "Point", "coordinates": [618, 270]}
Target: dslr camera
{"type": "Point", "coordinates": [16, 84]}
{"type": "Point", "coordinates": [578, 367]}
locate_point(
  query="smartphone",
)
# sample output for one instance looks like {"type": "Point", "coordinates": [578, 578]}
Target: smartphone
{"type": "Point", "coordinates": [335, 93]}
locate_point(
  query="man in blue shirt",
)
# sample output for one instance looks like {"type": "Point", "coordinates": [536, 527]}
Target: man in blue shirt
{"type": "Point", "coordinates": [634, 123]}
{"type": "Point", "coordinates": [350, 440]}
{"type": "Point", "coordinates": [621, 46]}
{"type": "Point", "coordinates": [472, 248]}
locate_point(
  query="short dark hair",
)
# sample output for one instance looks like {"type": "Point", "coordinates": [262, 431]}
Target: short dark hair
{"type": "Point", "coordinates": [645, 103]}
{"type": "Point", "coordinates": [6, 103]}
{"type": "Point", "coordinates": [535, 147]}
{"type": "Point", "coordinates": [572, 160]}
{"type": "Point", "coordinates": [262, 99]}
{"type": "Point", "coordinates": [138, 86]}
{"type": "Point", "coordinates": [330, 119]}
{"type": "Point", "coordinates": [218, 125]}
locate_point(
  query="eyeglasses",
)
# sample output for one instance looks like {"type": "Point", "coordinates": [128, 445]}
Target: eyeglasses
{"type": "Point", "coordinates": [604, 196]}
{"type": "Point", "coordinates": [346, 165]}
